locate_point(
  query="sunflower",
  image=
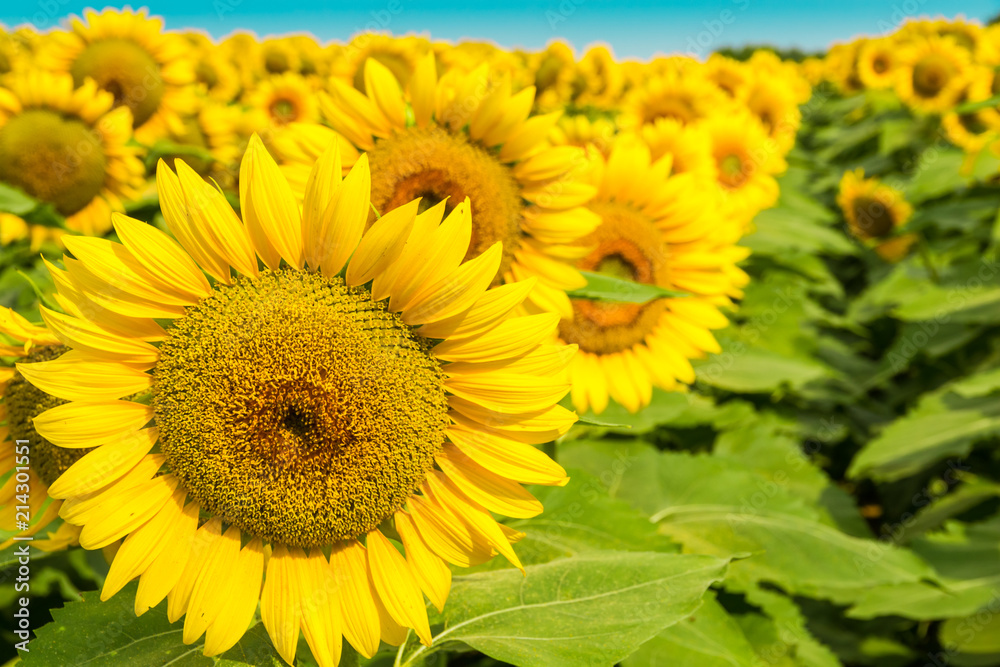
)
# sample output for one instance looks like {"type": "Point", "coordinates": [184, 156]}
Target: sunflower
{"type": "Point", "coordinates": [67, 147]}
{"type": "Point", "coordinates": [681, 92]}
{"type": "Point", "coordinates": [15, 52]}
{"type": "Point", "coordinates": [873, 210]}
{"type": "Point", "coordinates": [932, 74]}
{"type": "Point", "coordinates": [746, 161]}
{"type": "Point", "coordinates": [554, 73]}
{"type": "Point", "coordinates": [130, 56]}
{"type": "Point", "coordinates": [656, 229]}
{"type": "Point", "coordinates": [972, 131]}
{"type": "Point", "coordinates": [215, 75]}
{"type": "Point", "coordinates": [984, 83]}
{"type": "Point", "coordinates": [730, 76]}
{"type": "Point", "coordinates": [299, 145]}
{"type": "Point", "coordinates": [842, 66]}
{"type": "Point", "coordinates": [689, 147]}
{"type": "Point", "coordinates": [470, 140]}
{"type": "Point", "coordinates": [399, 55]}
{"type": "Point", "coordinates": [877, 62]}
{"type": "Point", "coordinates": [20, 403]}
{"type": "Point", "coordinates": [278, 56]}
{"type": "Point", "coordinates": [285, 98]}
{"type": "Point", "coordinates": [582, 131]}
{"type": "Point", "coordinates": [772, 100]}
{"type": "Point", "coordinates": [599, 79]}
{"type": "Point", "coordinates": [361, 388]}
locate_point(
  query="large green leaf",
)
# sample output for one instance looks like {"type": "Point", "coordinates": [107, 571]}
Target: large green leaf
{"type": "Point", "coordinates": [595, 609]}
{"type": "Point", "coordinates": [943, 424]}
{"type": "Point", "coordinates": [710, 637]}
{"type": "Point", "coordinates": [718, 507]}
{"type": "Point", "coordinates": [109, 633]}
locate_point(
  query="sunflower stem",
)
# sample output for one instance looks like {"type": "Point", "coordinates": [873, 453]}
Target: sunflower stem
{"type": "Point", "coordinates": [349, 657]}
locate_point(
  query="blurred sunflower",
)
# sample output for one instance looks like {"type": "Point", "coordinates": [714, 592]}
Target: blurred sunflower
{"type": "Point", "coordinates": [971, 130]}
{"type": "Point", "coordinates": [689, 147]}
{"type": "Point", "coordinates": [457, 138]}
{"type": "Point", "coordinates": [598, 81]}
{"type": "Point", "coordinates": [729, 75]}
{"type": "Point", "coordinates": [360, 383]}
{"type": "Point", "coordinates": [284, 98]}
{"type": "Point", "coordinates": [877, 62]}
{"type": "Point", "coordinates": [20, 403]}
{"type": "Point", "coordinates": [660, 230]}
{"type": "Point", "coordinates": [215, 75]}
{"type": "Point", "coordinates": [582, 131]}
{"type": "Point", "coordinates": [278, 56]}
{"type": "Point", "coordinates": [773, 102]}
{"type": "Point", "coordinates": [932, 74]}
{"type": "Point", "coordinates": [554, 74]}
{"type": "Point", "coordinates": [746, 162]}
{"type": "Point", "coordinates": [873, 210]}
{"type": "Point", "coordinates": [209, 143]}
{"type": "Point", "coordinates": [67, 147]}
{"type": "Point", "coordinates": [130, 56]}
{"type": "Point", "coordinates": [681, 93]}
{"type": "Point", "coordinates": [399, 55]}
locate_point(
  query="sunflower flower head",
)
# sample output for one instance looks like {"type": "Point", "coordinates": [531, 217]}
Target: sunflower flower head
{"type": "Point", "coordinates": [314, 388]}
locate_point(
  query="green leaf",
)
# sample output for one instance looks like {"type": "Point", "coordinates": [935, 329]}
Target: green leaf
{"type": "Point", "coordinates": [607, 288]}
{"type": "Point", "coordinates": [969, 107]}
{"type": "Point", "coordinates": [103, 633]}
{"type": "Point", "coordinates": [942, 424]}
{"type": "Point", "coordinates": [15, 201]}
{"type": "Point", "coordinates": [966, 561]}
{"type": "Point", "coordinates": [596, 608]}
{"type": "Point", "coordinates": [717, 507]}
{"type": "Point", "coordinates": [710, 637]}
{"type": "Point", "coordinates": [745, 369]}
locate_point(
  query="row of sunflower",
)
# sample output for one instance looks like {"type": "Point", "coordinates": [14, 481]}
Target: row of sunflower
{"type": "Point", "coordinates": [259, 409]}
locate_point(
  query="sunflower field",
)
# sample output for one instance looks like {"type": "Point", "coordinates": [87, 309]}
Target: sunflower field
{"type": "Point", "coordinates": [398, 352]}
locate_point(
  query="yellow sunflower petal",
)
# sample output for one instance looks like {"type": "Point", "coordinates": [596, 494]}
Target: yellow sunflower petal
{"type": "Point", "coordinates": [384, 90]}
{"type": "Point", "coordinates": [490, 490]}
{"type": "Point", "coordinates": [506, 457]}
{"type": "Point", "coordinates": [381, 246]}
{"type": "Point", "coordinates": [87, 337]}
{"type": "Point", "coordinates": [166, 569]}
{"type": "Point", "coordinates": [118, 521]}
{"type": "Point", "coordinates": [161, 256]}
{"type": "Point", "coordinates": [510, 338]}
{"type": "Point", "coordinates": [212, 585]}
{"type": "Point", "coordinates": [431, 571]}
{"type": "Point", "coordinates": [320, 615]}
{"type": "Point", "coordinates": [456, 292]}
{"type": "Point", "coordinates": [180, 595]}
{"type": "Point", "coordinates": [104, 465]}
{"type": "Point", "coordinates": [234, 618]}
{"type": "Point", "coordinates": [491, 309]}
{"type": "Point", "coordinates": [423, 85]}
{"type": "Point", "coordinates": [344, 218]}
{"type": "Point", "coordinates": [349, 565]}
{"type": "Point", "coordinates": [79, 380]}
{"type": "Point", "coordinates": [81, 424]}
{"type": "Point", "coordinates": [279, 603]}
{"type": "Point", "coordinates": [143, 545]}
{"type": "Point", "coordinates": [396, 586]}
{"type": "Point", "coordinates": [269, 208]}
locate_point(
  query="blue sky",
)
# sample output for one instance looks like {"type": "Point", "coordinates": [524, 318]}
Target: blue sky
{"type": "Point", "coordinates": [635, 29]}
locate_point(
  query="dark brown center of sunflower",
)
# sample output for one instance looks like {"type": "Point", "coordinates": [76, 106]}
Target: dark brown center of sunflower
{"type": "Point", "coordinates": [930, 75]}
{"type": "Point", "coordinates": [880, 64]}
{"type": "Point", "coordinates": [873, 218]}
{"type": "Point", "coordinates": [24, 402]}
{"type": "Point", "coordinates": [627, 245]}
{"type": "Point", "coordinates": [297, 409]}
{"type": "Point", "coordinates": [54, 158]}
{"type": "Point", "coordinates": [435, 165]}
{"type": "Point", "coordinates": [127, 71]}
